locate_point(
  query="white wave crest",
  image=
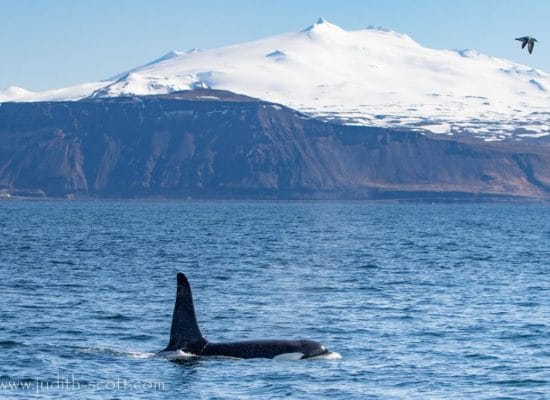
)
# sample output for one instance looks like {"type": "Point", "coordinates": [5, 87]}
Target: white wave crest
{"type": "Point", "coordinates": [178, 355]}
{"type": "Point", "coordinates": [331, 355]}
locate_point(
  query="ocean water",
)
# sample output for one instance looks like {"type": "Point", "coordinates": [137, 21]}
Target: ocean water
{"type": "Point", "coordinates": [421, 301]}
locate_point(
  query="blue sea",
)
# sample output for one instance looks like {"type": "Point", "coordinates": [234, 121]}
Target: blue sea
{"type": "Point", "coordinates": [421, 301]}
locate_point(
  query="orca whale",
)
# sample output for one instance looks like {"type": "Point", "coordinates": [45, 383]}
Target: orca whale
{"type": "Point", "coordinates": [186, 336]}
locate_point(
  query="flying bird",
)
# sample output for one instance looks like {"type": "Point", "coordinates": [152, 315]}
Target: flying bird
{"type": "Point", "coordinates": [529, 41]}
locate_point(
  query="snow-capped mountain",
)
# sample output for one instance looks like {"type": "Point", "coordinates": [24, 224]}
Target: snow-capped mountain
{"type": "Point", "coordinates": [374, 77]}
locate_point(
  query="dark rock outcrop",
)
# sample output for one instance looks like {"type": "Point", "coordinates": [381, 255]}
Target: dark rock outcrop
{"type": "Point", "coordinates": [215, 144]}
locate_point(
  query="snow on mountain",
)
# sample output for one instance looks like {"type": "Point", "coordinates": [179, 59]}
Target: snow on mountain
{"type": "Point", "coordinates": [167, 56]}
{"type": "Point", "coordinates": [69, 93]}
{"type": "Point", "coordinates": [13, 93]}
{"type": "Point", "coordinates": [373, 76]}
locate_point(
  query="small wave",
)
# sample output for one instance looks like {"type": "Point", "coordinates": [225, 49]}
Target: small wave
{"type": "Point", "coordinates": [118, 352]}
{"type": "Point", "coordinates": [520, 336]}
{"type": "Point", "coordinates": [139, 354]}
{"type": "Point", "coordinates": [81, 246]}
{"type": "Point", "coordinates": [478, 356]}
{"type": "Point", "coordinates": [115, 317]}
{"type": "Point", "coordinates": [69, 285]}
{"type": "Point", "coordinates": [136, 337]}
{"type": "Point", "coordinates": [62, 262]}
{"type": "Point", "coordinates": [520, 382]}
{"type": "Point", "coordinates": [480, 258]}
{"type": "Point", "coordinates": [331, 355]}
{"type": "Point", "coordinates": [429, 333]}
{"type": "Point", "coordinates": [178, 355]}
{"type": "Point", "coordinates": [8, 344]}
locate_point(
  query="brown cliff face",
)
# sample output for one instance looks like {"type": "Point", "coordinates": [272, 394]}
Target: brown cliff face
{"type": "Point", "coordinates": [190, 144]}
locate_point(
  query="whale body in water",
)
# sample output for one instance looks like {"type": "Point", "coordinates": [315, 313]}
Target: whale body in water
{"type": "Point", "coordinates": [186, 336]}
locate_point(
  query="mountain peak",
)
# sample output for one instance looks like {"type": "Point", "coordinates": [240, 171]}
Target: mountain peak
{"type": "Point", "coordinates": [171, 54]}
{"type": "Point", "coordinates": [13, 93]}
{"type": "Point", "coordinates": [16, 90]}
{"type": "Point", "coordinates": [323, 25]}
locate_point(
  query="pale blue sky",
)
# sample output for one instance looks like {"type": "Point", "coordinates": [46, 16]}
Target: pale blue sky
{"type": "Point", "coordinates": [48, 44]}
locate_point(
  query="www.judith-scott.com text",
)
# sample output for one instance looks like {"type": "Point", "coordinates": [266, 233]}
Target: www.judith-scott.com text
{"type": "Point", "coordinates": [70, 383]}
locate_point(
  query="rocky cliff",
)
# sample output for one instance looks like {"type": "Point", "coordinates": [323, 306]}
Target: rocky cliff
{"type": "Point", "coordinates": [215, 144]}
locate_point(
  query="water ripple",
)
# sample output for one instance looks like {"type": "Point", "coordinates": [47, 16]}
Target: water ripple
{"type": "Point", "coordinates": [421, 301]}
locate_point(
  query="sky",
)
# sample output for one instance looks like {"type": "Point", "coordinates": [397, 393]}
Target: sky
{"type": "Point", "coordinates": [46, 44]}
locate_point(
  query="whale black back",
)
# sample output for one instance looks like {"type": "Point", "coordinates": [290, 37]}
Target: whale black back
{"type": "Point", "coordinates": [185, 333]}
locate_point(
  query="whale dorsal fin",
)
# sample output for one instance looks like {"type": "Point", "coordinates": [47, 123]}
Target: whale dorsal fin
{"type": "Point", "coordinates": [185, 333]}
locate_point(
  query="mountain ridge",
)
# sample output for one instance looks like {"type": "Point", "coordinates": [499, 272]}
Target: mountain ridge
{"type": "Point", "coordinates": [212, 144]}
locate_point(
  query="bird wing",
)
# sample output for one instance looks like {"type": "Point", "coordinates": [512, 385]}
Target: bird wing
{"type": "Point", "coordinates": [523, 41]}
{"type": "Point", "coordinates": [531, 45]}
